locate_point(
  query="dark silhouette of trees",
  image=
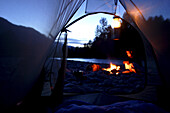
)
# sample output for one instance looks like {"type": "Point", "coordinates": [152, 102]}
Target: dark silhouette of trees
{"type": "Point", "coordinates": [88, 45]}
{"type": "Point", "coordinates": [159, 36]}
{"type": "Point", "coordinates": [97, 32]}
{"type": "Point", "coordinates": [101, 46]}
{"type": "Point", "coordinates": [103, 31]}
{"type": "Point", "coordinates": [104, 46]}
{"type": "Point", "coordinates": [158, 30]}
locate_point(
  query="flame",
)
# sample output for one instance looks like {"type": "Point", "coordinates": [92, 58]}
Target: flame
{"type": "Point", "coordinates": [129, 66]}
{"type": "Point", "coordinates": [129, 54]}
{"type": "Point", "coordinates": [112, 67]}
{"type": "Point", "coordinates": [115, 69]}
{"type": "Point", "coordinates": [96, 67]}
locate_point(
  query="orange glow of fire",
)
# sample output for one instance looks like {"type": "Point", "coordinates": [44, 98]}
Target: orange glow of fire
{"type": "Point", "coordinates": [112, 67]}
{"type": "Point", "coordinates": [129, 54]}
{"type": "Point", "coordinates": [115, 69]}
{"type": "Point", "coordinates": [129, 66]}
{"type": "Point", "coordinates": [96, 67]}
{"type": "Point", "coordinates": [127, 71]}
{"type": "Point", "coordinates": [116, 39]}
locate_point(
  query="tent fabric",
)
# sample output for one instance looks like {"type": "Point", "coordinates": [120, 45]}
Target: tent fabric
{"type": "Point", "coordinates": [24, 49]}
{"type": "Point", "coordinates": [159, 39]}
{"type": "Point", "coordinates": [130, 106]}
{"type": "Point", "coordinates": [22, 56]}
{"type": "Point", "coordinates": [101, 6]}
{"type": "Point", "coordinates": [140, 11]}
{"type": "Point", "coordinates": [47, 17]}
{"type": "Point", "coordinates": [139, 20]}
{"type": "Point", "coordinates": [66, 9]}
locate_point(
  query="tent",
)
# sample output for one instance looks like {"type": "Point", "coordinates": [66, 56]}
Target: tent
{"type": "Point", "coordinates": [25, 51]}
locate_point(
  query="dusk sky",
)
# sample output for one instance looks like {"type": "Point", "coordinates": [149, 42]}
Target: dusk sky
{"type": "Point", "coordinates": [42, 13]}
{"type": "Point", "coordinates": [84, 30]}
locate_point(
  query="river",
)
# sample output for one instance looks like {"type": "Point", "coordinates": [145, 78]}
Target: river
{"type": "Point", "coordinates": [94, 60]}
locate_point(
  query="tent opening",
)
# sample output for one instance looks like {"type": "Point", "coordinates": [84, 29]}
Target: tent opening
{"type": "Point", "coordinates": [113, 62]}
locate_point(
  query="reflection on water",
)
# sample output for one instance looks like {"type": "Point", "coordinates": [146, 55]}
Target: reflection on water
{"type": "Point", "coordinates": [94, 60]}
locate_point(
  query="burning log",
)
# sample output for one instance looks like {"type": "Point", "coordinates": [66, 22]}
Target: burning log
{"type": "Point", "coordinates": [129, 66]}
{"type": "Point", "coordinates": [126, 72]}
{"type": "Point", "coordinates": [112, 69]}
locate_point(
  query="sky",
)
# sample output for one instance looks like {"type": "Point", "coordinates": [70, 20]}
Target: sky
{"type": "Point", "coordinates": [40, 14]}
{"type": "Point", "coordinates": [84, 30]}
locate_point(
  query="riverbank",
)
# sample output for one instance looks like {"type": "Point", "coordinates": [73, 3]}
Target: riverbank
{"type": "Point", "coordinates": [80, 80]}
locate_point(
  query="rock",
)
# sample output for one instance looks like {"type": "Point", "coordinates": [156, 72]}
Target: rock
{"type": "Point", "coordinates": [108, 83]}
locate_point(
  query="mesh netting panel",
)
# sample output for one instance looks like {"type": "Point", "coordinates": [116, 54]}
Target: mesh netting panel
{"type": "Point", "coordinates": [100, 6]}
{"type": "Point", "coordinates": [152, 69]}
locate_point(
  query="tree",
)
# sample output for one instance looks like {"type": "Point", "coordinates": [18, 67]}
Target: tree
{"type": "Point", "coordinates": [85, 45]}
{"type": "Point", "coordinates": [98, 31]}
{"type": "Point", "coordinates": [89, 43]}
{"type": "Point", "coordinates": [109, 32]}
{"type": "Point", "coordinates": [103, 31]}
{"type": "Point", "coordinates": [103, 22]}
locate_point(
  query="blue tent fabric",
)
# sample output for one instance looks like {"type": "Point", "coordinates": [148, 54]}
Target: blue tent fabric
{"type": "Point", "coordinates": [131, 106]}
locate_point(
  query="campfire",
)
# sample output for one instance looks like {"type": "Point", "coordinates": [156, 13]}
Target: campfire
{"type": "Point", "coordinates": [85, 77]}
{"type": "Point", "coordinates": [114, 69]}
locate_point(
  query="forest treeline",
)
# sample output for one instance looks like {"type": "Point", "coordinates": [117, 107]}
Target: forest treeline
{"type": "Point", "coordinates": [104, 45]}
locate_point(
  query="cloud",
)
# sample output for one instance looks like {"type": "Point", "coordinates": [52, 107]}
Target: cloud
{"type": "Point", "coordinates": [76, 41]}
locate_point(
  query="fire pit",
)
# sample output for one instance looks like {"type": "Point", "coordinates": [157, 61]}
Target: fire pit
{"type": "Point", "coordinates": [85, 77]}
{"type": "Point", "coordinates": [111, 79]}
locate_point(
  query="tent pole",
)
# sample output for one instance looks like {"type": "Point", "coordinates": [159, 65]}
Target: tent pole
{"type": "Point", "coordinates": [86, 16]}
{"type": "Point", "coordinates": [57, 93]}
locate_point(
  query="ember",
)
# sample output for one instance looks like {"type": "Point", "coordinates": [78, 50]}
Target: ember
{"type": "Point", "coordinates": [96, 67]}
{"type": "Point", "coordinates": [129, 54]}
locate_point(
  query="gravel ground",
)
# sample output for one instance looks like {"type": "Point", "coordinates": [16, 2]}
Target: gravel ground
{"type": "Point", "coordinates": [80, 79]}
